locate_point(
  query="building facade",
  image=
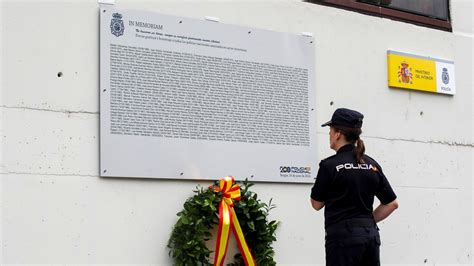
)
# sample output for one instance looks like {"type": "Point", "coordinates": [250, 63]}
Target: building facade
{"type": "Point", "coordinates": [56, 208]}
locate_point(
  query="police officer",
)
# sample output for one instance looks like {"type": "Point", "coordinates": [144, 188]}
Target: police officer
{"type": "Point", "coordinates": [346, 185]}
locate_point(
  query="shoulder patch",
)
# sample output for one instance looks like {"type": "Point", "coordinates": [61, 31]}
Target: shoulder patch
{"type": "Point", "coordinates": [376, 165]}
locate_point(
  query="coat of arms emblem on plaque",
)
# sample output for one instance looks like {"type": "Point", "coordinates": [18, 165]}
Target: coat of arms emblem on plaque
{"type": "Point", "coordinates": [116, 25]}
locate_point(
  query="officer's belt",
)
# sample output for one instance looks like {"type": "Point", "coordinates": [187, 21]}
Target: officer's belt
{"type": "Point", "coordinates": [351, 223]}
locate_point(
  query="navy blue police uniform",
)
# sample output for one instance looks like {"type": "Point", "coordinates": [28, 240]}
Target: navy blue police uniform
{"type": "Point", "coordinates": [347, 189]}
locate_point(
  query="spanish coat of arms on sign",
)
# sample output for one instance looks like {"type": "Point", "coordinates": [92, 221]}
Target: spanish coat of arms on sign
{"type": "Point", "coordinates": [404, 73]}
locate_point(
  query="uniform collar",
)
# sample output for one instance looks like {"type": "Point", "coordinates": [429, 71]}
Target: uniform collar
{"type": "Point", "coordinates": [347, 147]}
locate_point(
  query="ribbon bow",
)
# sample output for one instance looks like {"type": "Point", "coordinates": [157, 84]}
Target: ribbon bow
{"type": "Point", "coordinates": [227, 220]}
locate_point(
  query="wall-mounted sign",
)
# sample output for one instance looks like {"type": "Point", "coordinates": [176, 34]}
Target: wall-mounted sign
{"type": "Point", "coordinates": [420, 73]}
{"type": "Point", "coordinates": [185, 98]}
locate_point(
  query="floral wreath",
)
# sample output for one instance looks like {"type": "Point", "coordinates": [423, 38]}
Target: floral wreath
{"type": "Point", "coordinates": [209, 207]}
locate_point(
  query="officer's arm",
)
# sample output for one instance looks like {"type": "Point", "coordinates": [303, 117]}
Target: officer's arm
{"type": "Point", "coordinates": [320, 188]}
{"type": "Point", "coordinates": [317, 205]}
{"type": "Point", "coordinates": [384, 210]}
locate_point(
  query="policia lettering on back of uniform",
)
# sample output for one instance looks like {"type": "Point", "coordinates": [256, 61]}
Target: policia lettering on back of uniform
{"type": "Point", "coordinates": [346, 185]}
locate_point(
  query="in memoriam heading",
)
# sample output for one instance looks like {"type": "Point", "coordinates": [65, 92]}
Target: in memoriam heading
{"type": "Point", "coordinates": [145, 25]}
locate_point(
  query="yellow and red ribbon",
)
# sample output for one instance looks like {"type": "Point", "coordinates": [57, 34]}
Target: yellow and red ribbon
{"type": "Point", "coordinates": [227, 221]}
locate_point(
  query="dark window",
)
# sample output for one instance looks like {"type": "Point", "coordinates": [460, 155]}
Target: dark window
{"type": "Point", "coordinates": [430, 13]}
{"type": "Point", "coordinates": [430, 8]}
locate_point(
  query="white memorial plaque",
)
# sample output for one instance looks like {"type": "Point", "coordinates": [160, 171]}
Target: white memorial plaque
{"type": "Point", "coordinates": [185, 98]}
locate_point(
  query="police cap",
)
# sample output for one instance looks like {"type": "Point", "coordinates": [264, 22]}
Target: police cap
{"type": "Point", "coordinates": [346, 118]}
